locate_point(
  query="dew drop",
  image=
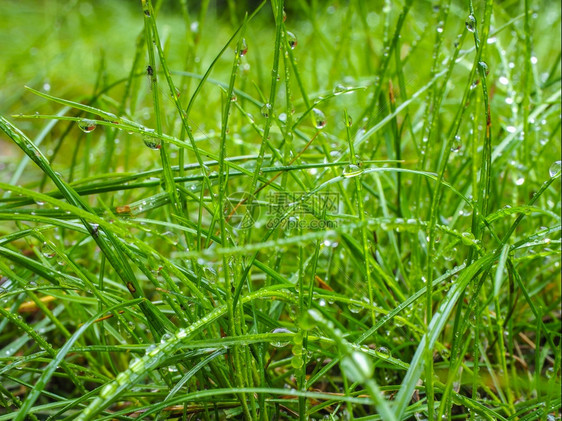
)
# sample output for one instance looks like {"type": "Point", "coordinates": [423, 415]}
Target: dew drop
{"type": "Point", "coordinates": [457, 144]}
{"type": "Point", "coordinates": [266, 110]}
{"type": "Point", "coordinates": [467, 238]}
{"type": "Point", "coordinates": [297, 361]}
{"type": "Point", "coordinates": [280, 343]}
{"type": "Point", "coordinates": [383, 352]}
{"type": "Point", "coordinates": [339, 89]}
{"type": "Point", "coordinates": [354, 308]}
{"type": "Point", "coordinates": [152, 142]}
{"type": "Point", "coordinates": [87, 126]}
{"type": "Point", "coordinates": [136, 365]}
{"type": "Point", "coordinates": [555, 168]}
{"type": "Point", "coordinates": [291, 40]}
{"type": "Point", "coordinates": [483, 67]}
{"type": "Point", "coordinates": [48, 251]}
{"type": "Point", "coordinates": [243, 48]}
{"type": "Point", "coordinates": [348, 121]}
{"type": "Point", "coordinates": [352, 170]}
{"type": "Point", "coordinates": [319, 118]}
{"type": "Point", "coordinates": [470, 23]}
{"type": "Point", "coordinates": [520, 181]}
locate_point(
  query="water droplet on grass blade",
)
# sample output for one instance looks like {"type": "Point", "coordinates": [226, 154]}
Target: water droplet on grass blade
{"type": "Point", "coordinates": [266, 110]}
{"type": "Point", "coordinates": [297, 361]}
{"type": "Point", "coordinates": [468, 238]}
{"type": "Point", "coordinates": [319, 118]}
{"type": "Point", "coordinates": [152, 142]}
{"type": "Point", "coordinates": [339, 89]}
{"type": "Point", "coordinates": [457, 144]}
{"type": "Point", "coordinates": [352, 170]}
{"type": "Point", "coordinates": [136, 365]}
{"type": "Point", "coordinates": [291, 40]}
{"type": "Point", "coordinates": [279, 343]}
{"type": "Point", "coordinates": [383, 352]}
{"type": "Point", "coordinates": [555, 168]}
{"type": "Point", "coordinates": [243, 48]}
{"type": "Point", "coordinates": [87, 126]}
{"type": "Point", "coordinates": [48, 251]}
{"type": "Point", "coordinates": [483, 67]}
{"type": "Point", "coordinates": [470, 23]}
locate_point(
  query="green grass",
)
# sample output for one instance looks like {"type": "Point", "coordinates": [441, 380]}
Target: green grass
{"type": "Point", "coordinates": [280, 211]}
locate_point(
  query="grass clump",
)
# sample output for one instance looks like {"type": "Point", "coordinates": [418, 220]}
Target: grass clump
{"type": "Point", "coordinates": [281, 211]}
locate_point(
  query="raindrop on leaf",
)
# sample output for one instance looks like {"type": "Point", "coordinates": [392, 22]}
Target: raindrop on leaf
{"type": "Point", "coordinates": [471, 23]}
{"type": "Point", "coordinates": [266, 110]}
{"type": "Point", "coordinates": [319, 118]}
{"type": "Point", "coordinates": [352, 170]}
{"type": "Point", "coordinates": [291, 40]}
{"type": "Point", "coordinates": [87, 126]}
{"type": "Point", "coordinates": [555, 168]}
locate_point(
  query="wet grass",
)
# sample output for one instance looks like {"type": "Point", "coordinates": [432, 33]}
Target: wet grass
{"type": "Point", "coordinates": [348, 211]}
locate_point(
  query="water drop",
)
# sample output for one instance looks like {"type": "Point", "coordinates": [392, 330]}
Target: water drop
{"type": "Point", "coordinates": [171, 237]}
{"type": "Point", "coordinates": [470, 23]}
{"type": "Point", "coordinates": [339, 89]}
{"type": "Point", "coordinates": [166, 337]}
{"type": "Point", "coordinates": [243, 48]}
{"type": "Point", "coordinates": [383, 352]}
{"type": "Point", "coordinates": [349, 121]}
{"type": "Point", "coordinates": [457, 144]}
{"type": "Point", "coordinates": [319, 118]}
{"type": "Point", "coordinates": [280, 343]}
{"type": "Point", "coordinates": [48, 251]}
{"type": "Point", "coordinates": [266, 110]}
{"type": "Point", "coordinates": [291, 40]}
{"type": "Point", "coordinates": [136, 365]}
{"type": "Point", "coordinates": [354, 308]}
{"type": "Point", "coordinates": [87, 126]}
{"type": "Point", "coordinates": [152, 142]}
{"type": "Point", "coordinates": [297, 361]}
{"type": "Point", "coordinates": [555, 168]}
{"type": "Point", "coordinates": [352, 170]}
{"type": "Point", "coordinates": [357, 366]}
{"type": "Point", "coordinates": [483, 67]}
{"type": "Point", "coordinates": [520, 181]}
{"type": "Point", "coordinates": [467, 238]}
